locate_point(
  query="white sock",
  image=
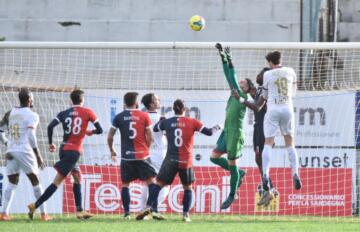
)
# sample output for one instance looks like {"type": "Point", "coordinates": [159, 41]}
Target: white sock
{"type": "Point", "coordinates": [163, 194]}
{"type": "Point", "coordinates": [144, 196]}
{"type": "Point", "coordinates": [37, 193]}
{"type": "Point", "coordinates": [8, 197]}
{"type": "Point", "coordinates": [266, 160]}
{"type": "Point", "coordinates": [294, 160]}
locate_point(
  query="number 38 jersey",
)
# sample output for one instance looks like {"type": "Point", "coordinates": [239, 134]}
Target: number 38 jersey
{"type": "Point", "coordinates": [279, 83]}
{"type": "Point", "coordinates": [180, 136]}
{"type": "Point", "coordinates": [132, 125]}
{"type": "Point", "coordinates": [20, 119]}
{"type": "Point", "coordinates": [75, 121]}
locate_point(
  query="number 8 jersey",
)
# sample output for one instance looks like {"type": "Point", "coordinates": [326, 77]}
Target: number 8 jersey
{"type": "Point", "coordinates": [132, 125]}
{"type": "Point", "coordinates": [75, 121]}
{"type": "Point", "coordinates": [180, 136]}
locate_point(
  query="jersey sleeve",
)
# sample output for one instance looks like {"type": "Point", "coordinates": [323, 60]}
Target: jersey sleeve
{"type": "Point", "coordinates": [92, 116]}
{"type": "Point", "coordinates": [33, 121]}
{"type": "Point", "coordinates": [197, 125]}
{"type": "Point", "coordinates": [265, 86]}
{"type": "Point", "coordinates": [147, 120]}
{"type": "Point", "coordinates": [159, 126]}
{"type": "Point", "coordinates": [116, 122]}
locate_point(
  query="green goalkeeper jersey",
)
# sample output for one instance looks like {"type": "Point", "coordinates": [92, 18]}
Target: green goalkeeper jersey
{"type": "Point", "coordinates": [235, 111]}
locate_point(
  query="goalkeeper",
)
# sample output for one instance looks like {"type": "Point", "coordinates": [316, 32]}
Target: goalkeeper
{"type": "Point", "coordinates": [231, 140]}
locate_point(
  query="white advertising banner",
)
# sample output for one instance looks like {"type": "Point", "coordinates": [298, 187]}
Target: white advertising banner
{"type": "Point", "coordinates": [323, 119]}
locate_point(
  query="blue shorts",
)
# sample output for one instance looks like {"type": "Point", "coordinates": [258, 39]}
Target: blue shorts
{"type": "Point", "coordinates": [68, 162]}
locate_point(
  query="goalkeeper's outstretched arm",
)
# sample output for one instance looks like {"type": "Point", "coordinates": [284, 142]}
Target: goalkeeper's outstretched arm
{"type": "Point", "coordinates": [232, 74]}
{"type": "Point", "coordinates": [224, 61]}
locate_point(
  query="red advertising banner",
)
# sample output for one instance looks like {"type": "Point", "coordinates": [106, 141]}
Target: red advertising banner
{"type": "Point", "coordinates": [325, 192]}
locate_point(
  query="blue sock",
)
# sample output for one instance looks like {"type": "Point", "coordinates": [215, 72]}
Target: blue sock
{"type": "Point", "coordinates": [46, 195]}
{"type": "Point", "coordinates": [77, 196]}
{"type": "Point", "coordinates": [125, 196]}
{"type": "Point", "coordinates": [152, 201]}
{"type": "Point", "coordinates": [187, 199]}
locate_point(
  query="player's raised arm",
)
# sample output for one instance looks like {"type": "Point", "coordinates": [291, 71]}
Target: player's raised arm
{"type": "Point", "coordinates": [224, 61]}
{"type": "Point", "coordinates": [232, 74]}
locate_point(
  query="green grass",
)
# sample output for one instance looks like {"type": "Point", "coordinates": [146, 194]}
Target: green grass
{"type": "Point", "coordinates": [173, 224]}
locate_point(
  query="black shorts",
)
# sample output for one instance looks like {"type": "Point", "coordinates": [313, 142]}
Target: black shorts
{"type": "Point", "coordinates": [67, 162]}
{"type": "Point", "coordinates": [170, 168]}
{"type": "Point", "coordinates": [258, 138]}
{"type": "Point", "coordinates": [136, 169]}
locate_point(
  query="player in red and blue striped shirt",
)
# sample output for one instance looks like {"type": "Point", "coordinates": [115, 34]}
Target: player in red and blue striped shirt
{"type": "Point", "coordinates": [136, 137]}
{"type": "Point", "coordinates": [74, 121]}
{"type": "Point", "coordinates": [180, 132]}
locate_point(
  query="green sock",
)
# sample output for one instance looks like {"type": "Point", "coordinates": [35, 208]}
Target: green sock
{"type": "Point", "coordinates": [234, 179]}
{"type": "Point", "coordinates": [222, 162]}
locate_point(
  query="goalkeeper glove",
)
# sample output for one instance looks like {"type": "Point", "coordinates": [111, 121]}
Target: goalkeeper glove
{"type": "Point", "coordinates": [227, 51]}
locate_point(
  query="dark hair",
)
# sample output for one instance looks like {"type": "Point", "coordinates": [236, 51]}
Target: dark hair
{"type": "Point", "coordinates": [130, 98]}
{"type": "Point", "coordinates": [77, 96]}
{"type": "Point", "coordinates": [250, 83]}
{"type": "Point", "coordinates": [260, 76]}
{"type": "Point", "coordinates": [179, 106]}
{"type": "Point", "coordinates": [147, 99]}
{"type": "Point", "coordinates": [274, 57]}
{"type": "Point", "coordinates": [24, 96]}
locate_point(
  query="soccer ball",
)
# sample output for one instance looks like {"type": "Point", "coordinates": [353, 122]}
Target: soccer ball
{"type": "Point", "coordinates": [197, 23]}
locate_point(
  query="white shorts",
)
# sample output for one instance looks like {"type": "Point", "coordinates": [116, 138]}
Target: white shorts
{"type": "Point", "coordinates": [21, 161]}
{"type": "Point", "coordinates": [156, 161]}
{"type": "Point", "coordinates": [279, 118]}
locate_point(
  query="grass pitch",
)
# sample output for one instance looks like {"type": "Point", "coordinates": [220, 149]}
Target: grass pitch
{"type": "Point", "coordinates": [174, 223]}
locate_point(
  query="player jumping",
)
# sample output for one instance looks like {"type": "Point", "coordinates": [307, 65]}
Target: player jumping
{"type": "Point", "coordinates": [279, 88]}
{"type": "Point", "coordinates": [259, 107]}
{"type": "Point", "coordinates": [157, 149]}
{"type": "Point", "coordinates": [75, 121]}
{"type": "Point", "coordinates": [180, 132]}
{"type": "Point", "coordinates": [231, 140]}
{"type": "Point", "coordinates": [22, 151]}
{"type": "Point", "coordinates": [136, 138]}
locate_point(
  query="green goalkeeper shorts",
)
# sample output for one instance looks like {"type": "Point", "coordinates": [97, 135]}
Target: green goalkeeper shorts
{"type": "Point", "coordinates": [230, 142]}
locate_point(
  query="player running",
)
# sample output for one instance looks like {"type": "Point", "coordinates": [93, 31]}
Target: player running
{"type": "Point", "coordinates": [22, 151]}
{"type": "Point", "coordinates": [259, 107]}
{"type": "Point", "coordinates": [136, 137]}
{"type": "Point", "coordinates": [157, 149]}
{"type": "Point", "coordinates": [231, 140]}
{"type": "Point", "coordinates": [180, 132]}
{"type": "Point", "coordinates": [74, 121]}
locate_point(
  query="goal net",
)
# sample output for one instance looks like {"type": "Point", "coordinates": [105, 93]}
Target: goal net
{"type": "Point", "coordinates": [326, 115]}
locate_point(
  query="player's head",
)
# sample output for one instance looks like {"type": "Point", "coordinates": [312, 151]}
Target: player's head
{"type": "Point", "coordinates": [246, 85]}
{"type": "Point", "coordinates": [260, 76]}
{"type": "Point", "coordinates": [26, 97]}
{"type": "Point", "coordinates": [179, 107]}
{"type": "Point", "coordinates": [151, 102]}
{"type": "Point", "coordinates": [77, 97]}
{"type": "Point", "coordinates": [273, 58]}
{"type": "Point", "coordinates": [131, 100]}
